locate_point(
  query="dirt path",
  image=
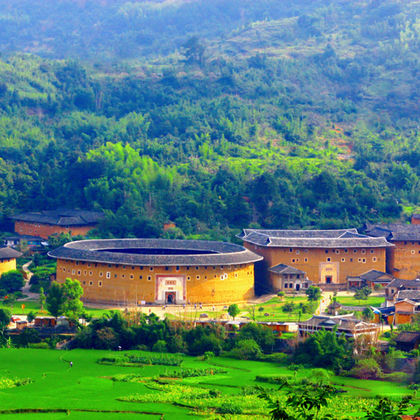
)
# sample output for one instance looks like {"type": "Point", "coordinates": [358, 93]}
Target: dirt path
{"type": "Point", "coordinates": [26, 287]}
{"type": "Point", "coordinates": [326, 299]}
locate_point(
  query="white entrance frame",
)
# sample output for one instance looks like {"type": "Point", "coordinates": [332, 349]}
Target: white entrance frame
{"type": "Point", "coordinates": [173, 284]}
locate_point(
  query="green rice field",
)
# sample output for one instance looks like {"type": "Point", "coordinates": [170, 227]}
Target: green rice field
{"type": "Point", "coordinates": [127, 385]}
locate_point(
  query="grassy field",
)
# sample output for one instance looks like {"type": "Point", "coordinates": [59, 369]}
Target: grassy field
{"type": "Point", "coordinates": [268, 311]}
{"type": "Point", "coordinates": [370, 301]}
{"type": "Point", "coordinates": [34, 306]}
{"type": "Point", "coordinates": [89, 390]}
{"type": "Point", "coordinates": [274, 309]}
{"type": "Point", "coordinates": [271, 310]}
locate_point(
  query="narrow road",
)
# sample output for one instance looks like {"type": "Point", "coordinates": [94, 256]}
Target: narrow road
{"type": "Point", "coordinates": [326, 299]}
{"type": "Point", "coordinates": [26, 287]}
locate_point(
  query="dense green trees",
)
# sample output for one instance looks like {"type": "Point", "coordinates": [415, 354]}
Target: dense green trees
{"type": "Point", "coordinates": [11, 281]}
{"type": "Point", "coordinates": [5, 317]}
{"type": "Point", "coordinates": [55, 300]}
{"type": "Point", "coordinates": [309, 133]}
{"type": "Point", "coordinates": [313, 293]}
{"type": "Point", "coordinates": [64, 299]}
{"type": "Point", "coordinates": [327, 350]}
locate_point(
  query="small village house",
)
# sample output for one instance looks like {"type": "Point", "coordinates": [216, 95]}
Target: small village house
{"type": "Point", "coordinates": [344, 324]}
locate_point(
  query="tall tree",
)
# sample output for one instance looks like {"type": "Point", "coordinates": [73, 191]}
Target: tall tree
{"type": "Point", "coordinates": [5, 318]}
{"type": "Point", "coordinates": [194, 51]}
{"type": "Point", "coordinates": [73, 291]}
{"type": "Point", "coordinates": [55, 300]}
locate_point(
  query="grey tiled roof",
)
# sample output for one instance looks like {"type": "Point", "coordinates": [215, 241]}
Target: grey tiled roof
{"type": "Point", "coordinates": [7, 252]}
{"type": "Point", "coordinates": [285, 269]}
{"type": "Point", "coordinates": [24, 238]}
{"type": "Point", "coordinates": [402, 284]}
{"type": "Point", "coordinates": [408, 337]}
{"type": "Point", "coordinates": [214, 253]}
{"type": "Point", "coordinates": [342, 323]}
{"type": "Point", "coordinates": [394, 231]}
{"type": "Point", "coordinates": [373, 275]}
{"type": "Point", "coordinates": [342, 238]}
{"type": "Point", "coordinates": [61, 217]}
{"type": "Point", "coordinates": [409, 294]}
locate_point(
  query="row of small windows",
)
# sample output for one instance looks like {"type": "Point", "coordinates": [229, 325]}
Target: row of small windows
{"type": "Point", "coordinates": [91, 283]}
{"type": "Point", "coordinates": [166, 268]}
{"type": "Point", "coordinates": [336, 251]}
{"type": "Point", "coordinates": [374, 259]}
{"type": "Point", "coordinates": [362, 260]}
{"type": "Point", "coordinates": [223, 276]}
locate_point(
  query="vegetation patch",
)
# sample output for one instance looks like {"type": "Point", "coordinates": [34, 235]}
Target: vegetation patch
{"type": "Point", "coordinates": [13, 382]}
{"type": "Point", "coordinates": [232, 391]}
{"type": "Point", "coordinates": [191, 373]}
{"type": "Point", "coordinates": [139, 360]}
{"type": "Point", "coordinates": [200, 399]}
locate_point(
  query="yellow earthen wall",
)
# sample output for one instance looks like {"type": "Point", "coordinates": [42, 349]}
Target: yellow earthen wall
{"type": "Point", "coordinates": [402, 318]}
{"type": "Point", "coordinates": [130, 284]}
{"type": "Point", "coordinates": [7, 265]}
{"type": "Point", "coordinates": [404, 260]}
{"type": "Point", "coordinates": [313, 261]}
{"type": "Point", "coordinates": [43, 231]}
{"type": "Point", "coordinates": [404, 307]}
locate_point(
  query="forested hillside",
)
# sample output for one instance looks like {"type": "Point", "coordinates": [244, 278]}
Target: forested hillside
{"type": "Point", "coordinates": [275, 115]}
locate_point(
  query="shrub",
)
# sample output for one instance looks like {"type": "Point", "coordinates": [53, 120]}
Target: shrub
{"type": "Point", "coordinates": [26, 337]}
{"type": "Point", "coordinates": [313, 293]}
{"type": "Point", "coordinates": [208, 355]}
{"type": "Point", "coordinates": [158, 359]}
{"type": "Point", "coordinates": [246, 349]}
{"type": "Point", "coordinates": [261, 334]}
{"type": "Point", "coordinates": [159, 346]}
{"type": "Point", "coordinates": [191, 373]}
{"type": "Point", "coordinates": [106, 338]}
{"type": "Point", "coordinates": [201, 340]}
{"type": "Point", "coordinates": [399, 377]}
{"type": "Point", "coordinates": [12, 383]}
{"type": "Point", "coordinates": [366, 369]}
{"type": "Point", "coordinates": [280, 358]}
{"type": "Point", "coordinates": [320, 376]}
{"type": "Point", "coordinates": [273, 379]}
{"type": "Point", "coordinates": [234, 310]}
{"type": "Point", "coordinates": [288, 307]}
{"type": "Point", "coordinates": [142, 359]}
{"type": "Point", "coordinates": [12, 281]}
{"type": "Point", "coordinates": [229, 407]}
{"type": "Point", "coordinates": [41, 345]}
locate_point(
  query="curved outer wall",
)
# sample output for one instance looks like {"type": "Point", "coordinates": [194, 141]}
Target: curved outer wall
{"type": "Point", "coordinates": [214, 272]}
{"type": "Point", "coordinates": [123, 284]}
{"type": "Point", "coordinates": [7, 264]}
